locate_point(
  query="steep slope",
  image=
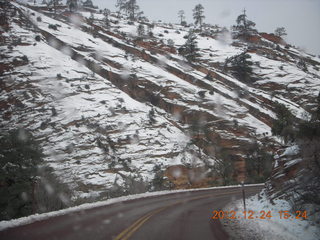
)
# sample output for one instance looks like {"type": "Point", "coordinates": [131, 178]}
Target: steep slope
{"type": "Point", "coordinates": [95, 136]}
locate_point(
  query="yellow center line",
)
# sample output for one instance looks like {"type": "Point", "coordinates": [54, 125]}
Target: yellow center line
{"type": "Point", "coordinates": [134, 229]}
{"type": "Point", "coordinates": [125, 234]}
{"type": "Point", "coordinates": [137, 224]}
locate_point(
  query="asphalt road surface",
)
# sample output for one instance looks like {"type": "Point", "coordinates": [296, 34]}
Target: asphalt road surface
{"type": "Point", "coordinates": [186, 216]}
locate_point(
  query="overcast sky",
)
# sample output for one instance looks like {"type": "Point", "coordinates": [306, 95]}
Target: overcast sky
{"type": "Point", "coordinates": [301, 18]}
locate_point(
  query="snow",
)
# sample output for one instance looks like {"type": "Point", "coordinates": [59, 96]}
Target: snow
{"type": "Point", "coordinates": [74, 102]}
{"type": "Point", "coordinates": [86, 163]}
{"type": "Point", "coordinates": [273, 228]}
{"type": "Point", "coordinates": [292, 150]}
{"type": "Point", "coordinates": [39, 217]}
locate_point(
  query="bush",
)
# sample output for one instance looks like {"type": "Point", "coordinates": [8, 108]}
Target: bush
{"type": "Point", "coordinates": [38, 38]}
{"type": "Point", "coordinates": [53, 27]}
{"type": "Point", "coordinates": [202, 94]}
{"type": "Point", "coordinates": [39, 19]}
{"type": "Point", "coordinates": [302, 65]}
{"type": "Point", "coordinates": [25, 58]}
{"type": "Point", "coordinates": [209, 77]}
{"type": "Point", "coordinates": [241, 66]}
{"type": "Point", "coordinates": [170, 42]}
{"type": "Point", "coordinates": [184, 23]}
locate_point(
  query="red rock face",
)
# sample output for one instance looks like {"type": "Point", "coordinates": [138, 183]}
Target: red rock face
{"type": "Point", "coordinates": [271, 37]}
{"type": "Point", "coordinates": [183, 177]}
{"type": "Point", "coordinates": [254, 39]}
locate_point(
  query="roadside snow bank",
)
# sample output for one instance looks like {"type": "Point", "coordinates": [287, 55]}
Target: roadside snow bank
{"type": "Point", "coordinates": [42, 216]}
{"type": "Point", "coordinates": [273, 228]}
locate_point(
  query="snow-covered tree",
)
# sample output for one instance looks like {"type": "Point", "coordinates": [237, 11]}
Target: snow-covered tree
{"type": "Point", "coordinates": [198, 15]}
{"type": "Point", "coordinates": [20, 157]}
{"type": "Point", "coordinates": [190, 49]}
{"type": "Point", "coordinates": [150, 28]}
{"type": "Point", "coordinates": [280, 32]}
{"type": "Point", "coordinates": [140, 30]}
{"type": "Point", "coordinates": [181, 15]}
{"type": "Point", "coordinates": [170, 43]}
{"type": "Point", "coordinates": [132, 9]}
{"type": "Point", "coordinates": [121, 6]}
{"type": "Point", "coordinates": [244, 26]}
{"type": "Point", "coordinates": [241, 66]}
{"type": "Point", "coordinates": [54, 4]}
{"type": "Point", "coordinates": [72, 4]}
{"type": "Point", "coordinates": [88, 4]}
{"type": "Point", "coordinates": [91, 16]}
{"type": "Point", "coordinates": [106, 13]}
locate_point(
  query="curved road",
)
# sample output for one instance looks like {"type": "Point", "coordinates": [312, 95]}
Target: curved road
{"type": "Point", "coordinates": [185, 215]}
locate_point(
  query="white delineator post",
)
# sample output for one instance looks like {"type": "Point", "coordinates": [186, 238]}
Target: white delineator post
{"type": "Point", "coordinates": [243, 195]}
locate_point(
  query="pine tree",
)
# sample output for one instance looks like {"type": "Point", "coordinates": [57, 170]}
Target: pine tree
{"type": "Point", "coordinates": [244, 27]}
{"type": "Point", "coordinates": [284, 124]}
{"type": "Point", "coordinates": [316, 115]}
{"type": "Point", "coordinates": [152, 116]}
{"type": "Point", "coordinates": [181, 15]}
{"type": "Point", "coordinates": [91, 18]}
{"type": "Point", "coordinates": [121, 5]}
{"type": "Point", "coordinates": [132, 9]}
{"type": "Point", "coordinates": [20, 156]}
{"type": "Point", "coordinates": [311, 129]}
{"type": "Point", "coordinates": [140, 30]}
{"type": "Point", "coordinates": [88, 4]}
{"type": "Point", "coordinates": [72, 4]}
{"type": "Point", "coordinates": [280, 32]}
{"type": "Point", "coordinates": [241, 66]}
{"type": "Point", "coordinates": [106, 13]}
{"type": "Point", "coordinates": [190, 49]}
{"type": "Point", "coordinates": [198, 15]}
{"type": "Point", "coordinates": [55, 4]}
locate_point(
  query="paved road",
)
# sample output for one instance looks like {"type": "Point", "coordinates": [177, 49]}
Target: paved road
{"type": "Point", "coordinates": [184, 216]}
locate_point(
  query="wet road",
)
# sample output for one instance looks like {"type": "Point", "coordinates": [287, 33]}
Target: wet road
{"type": "Point", "coordinates": [184, 216]}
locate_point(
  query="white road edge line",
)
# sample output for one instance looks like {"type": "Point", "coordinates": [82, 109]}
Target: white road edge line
{"type": "Point", "coordinates": [39, 217]}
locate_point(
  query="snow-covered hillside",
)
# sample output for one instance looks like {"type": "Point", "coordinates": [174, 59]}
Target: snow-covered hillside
{"type": "Point", "coordinates": [107, 106]}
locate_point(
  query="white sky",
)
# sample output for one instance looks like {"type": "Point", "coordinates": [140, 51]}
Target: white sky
{"type": "Point", "coordinates": [301, 18]}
